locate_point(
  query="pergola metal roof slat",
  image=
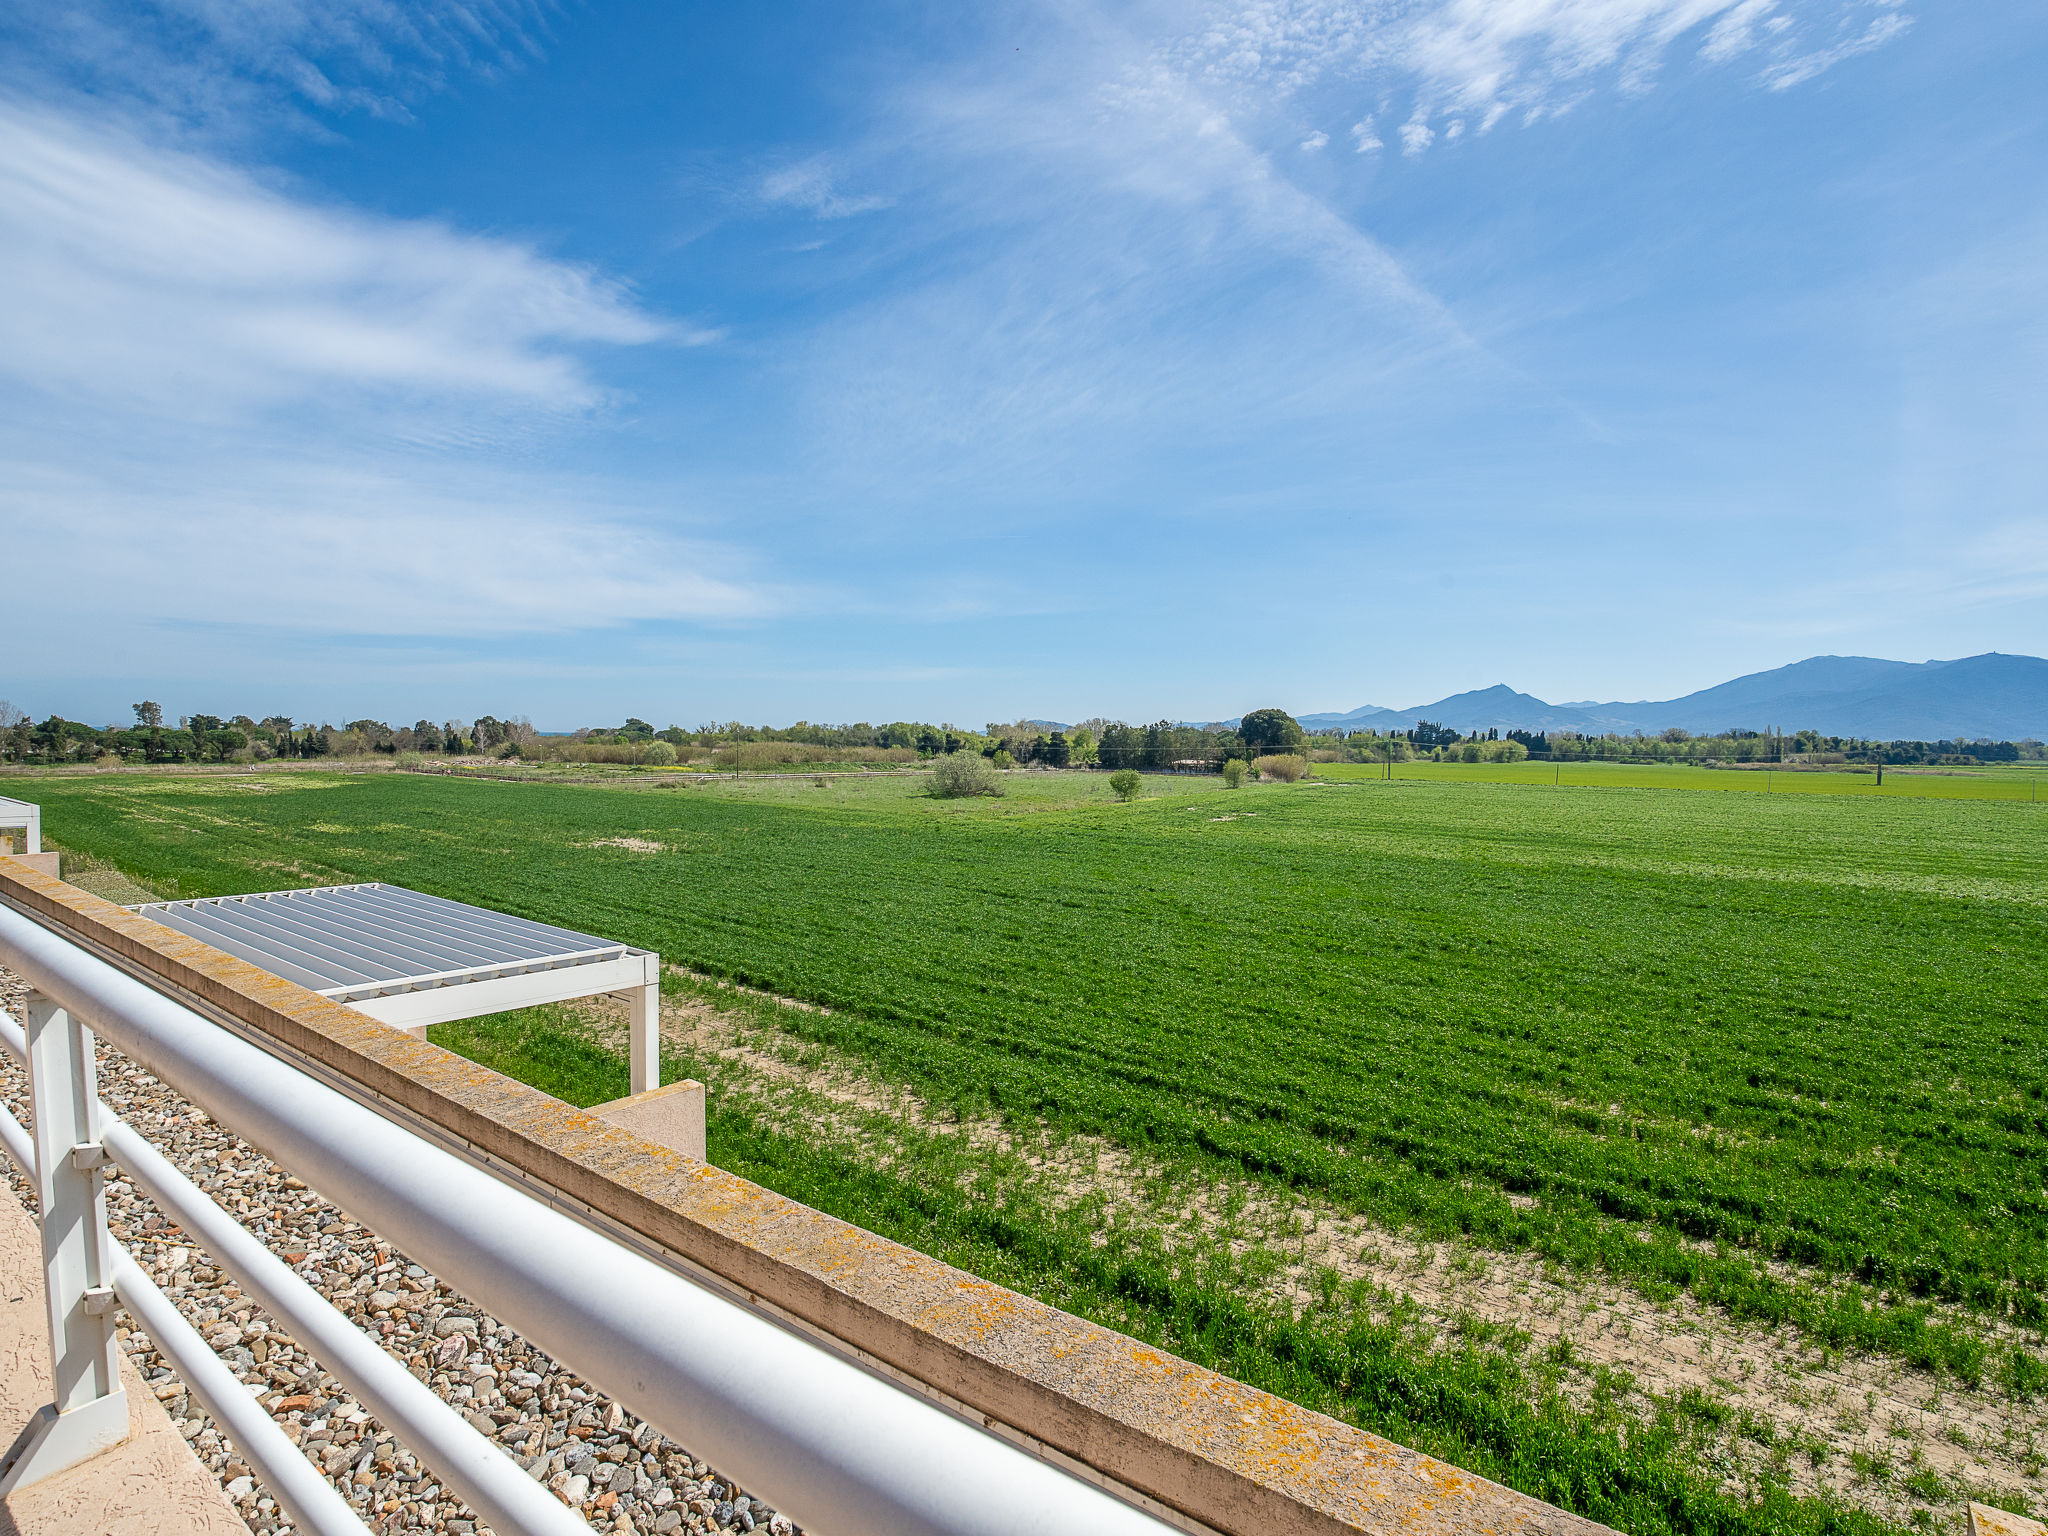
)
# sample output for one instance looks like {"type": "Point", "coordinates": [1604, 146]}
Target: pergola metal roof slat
{"type": "Point", "coordinates": [270, 924]}
{"type": "Point", "coordinates": [361, 922]}
{"type": "Point", "coordinates": [509, 941]}
{"type": "Point", "coordinates": [346, 929]}
{"type": "Point", "coordinates": [498, 925]}
{"type": "Point", "coordinates": [263, 922]}
{"type": "Point", "coordinates": [453, 944]}
{"type": "Point", "coordinates": [347, 938]}
{"type": "Point", "coordinates": [360, 910]}
{"type": "Point", "coordinates": [308, 970]}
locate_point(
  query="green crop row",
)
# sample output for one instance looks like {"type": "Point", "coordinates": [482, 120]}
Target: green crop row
{"type": "Point", "coordinates": [1480, 1402]}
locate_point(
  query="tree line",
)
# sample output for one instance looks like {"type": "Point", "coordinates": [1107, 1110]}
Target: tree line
{"type": "Point", "coordinates": [203, 738]}
{"type": "Point", "coordinates": [1162, 746]}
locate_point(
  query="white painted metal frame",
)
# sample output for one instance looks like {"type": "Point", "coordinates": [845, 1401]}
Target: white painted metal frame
{"type": "Point", "coordinates": [833, 1445]}
{"type": "Point", "coordinates": [411, 960]}
{"type": "Point", "coordinates": [306, 1496]}
{"type": "Point", "coordinates": [89, 1412]}
{"type": "Point", "coordinates": [28, 816]}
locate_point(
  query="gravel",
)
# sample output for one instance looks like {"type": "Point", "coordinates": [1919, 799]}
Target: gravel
{"type": "Point", "coordinates": [620, 1472]}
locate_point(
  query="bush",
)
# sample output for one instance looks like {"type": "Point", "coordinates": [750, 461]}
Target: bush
{"type": "Point", "coordinates": [1470, 752]}
{"type": "Point", "coordinates": [959, 774]}
{"type": "Point", "coordinates": [659, 754]}
{"type": "Point", "coordinates": [1125, 782]}
{"type": "Point", "coordinates": [1002, 759]}
{"type": "Point", "coordinates": [1233, 773]}
{"type": "Point", "coordinates": [1284, 766]}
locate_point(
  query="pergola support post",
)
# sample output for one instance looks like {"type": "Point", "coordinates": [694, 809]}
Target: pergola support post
{"type": "Point", "coordinates": [644, 1038]}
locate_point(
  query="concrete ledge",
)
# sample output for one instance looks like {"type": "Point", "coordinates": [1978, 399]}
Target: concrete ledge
{"type": "Point", "coordinates": [670, 1116]}
{"type": "Point", "coordinates": [149, 1483]}
{"type": "Point", "coordinates": [1986, 1521]}
{"type": "Point", "coordinates": [1211, 1450]}
{"type": "Point", "coordinates": [50, 863]}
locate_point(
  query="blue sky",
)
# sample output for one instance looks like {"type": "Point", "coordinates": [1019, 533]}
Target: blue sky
{"type": "Point", "coordinates": [966, 362]}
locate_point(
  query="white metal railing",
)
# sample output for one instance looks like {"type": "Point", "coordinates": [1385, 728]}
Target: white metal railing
{"type": "Point", "coordinates": [829, 1443]}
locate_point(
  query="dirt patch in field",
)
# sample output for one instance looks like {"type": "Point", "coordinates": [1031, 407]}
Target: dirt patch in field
{"type": "Point", "coordinates": [1892, 1439]}
{"type": "Point", "coordinates": [637, 844]}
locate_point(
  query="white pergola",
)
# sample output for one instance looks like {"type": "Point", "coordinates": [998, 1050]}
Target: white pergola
{"type": "Point", "coordinates": [410, 959]}
{"type": "Point", "coordinates": [26, 815]}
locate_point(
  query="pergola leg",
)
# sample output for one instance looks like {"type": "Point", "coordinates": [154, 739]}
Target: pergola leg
{"type": "Point", "coordinates": [90, 1411]}
{"type": "Point", "coordinates": [644, 1044]}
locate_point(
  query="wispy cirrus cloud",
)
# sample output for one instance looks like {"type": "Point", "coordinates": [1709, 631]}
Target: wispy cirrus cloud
{"type": "Point", "coordinates": [228, 66]}
{"type": "Point", "coordinates": [1470, 63]}
{"type": "Point", "coordinates": [212, 383]}
{"type": "Point", "coordinates": [813, 184]}
{"type": "Point", "coordinates": [171, 282]}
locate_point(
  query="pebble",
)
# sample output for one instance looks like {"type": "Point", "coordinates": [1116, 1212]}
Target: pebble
{"type": "Point", "coordinates": [561, 1429]}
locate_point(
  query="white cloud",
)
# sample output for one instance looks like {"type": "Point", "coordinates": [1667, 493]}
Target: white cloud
{"type": "Point", "coordinates": [1315, 141]}
{"type": "Point", "coordinates": [211, 386]}
{"type": "Point", "coordinates": [1536, 58]}
{"type": "Point", "coordinates": [390, 548]}
{"type": "Point", "coordinates": [171, 283]}
{"type": "Point", "coordinates": [811, 184]}
{"type": "Point", "coordinates": [1736, 31]}
{"type": "Point", "coordinates": [1799, 68]}
{"type": "Point", "coordinates": [228, 66]}
{"type": "Point", "coordinates": [1416, 134]}
{"type": "Point", "coordinates": [1125, 277]}
{"type": "Point", "coordinates": [1363, 135]}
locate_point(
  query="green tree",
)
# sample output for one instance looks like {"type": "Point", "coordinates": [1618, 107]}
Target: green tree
{"type": "Point", "coordinates": [1122, 746]}
{"type": "Point", "coordinates": [1125, 782]}
{"type": "Point", "coordinates": [149, 715]}
{"type": "Point", "coordinates": [1233, 772]}
{"type": "Point", "coordinates": [1271, 730]}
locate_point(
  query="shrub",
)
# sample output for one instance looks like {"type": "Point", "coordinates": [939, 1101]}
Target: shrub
{"type": "Point", "coordinates": [1284, 766]}
{"type": "Point", "coordinates": [1002, 759]}
{"type": "Point", "coordinates": [1233, 773]}
{"type": "Point", "coordinates": [1470, 752]}
{"type": "Point", "coordinates": [659, 754]}
{"type": "Point", "coordinates": [1125, 782]}
{"type": "Point", "coordinates": [959, 774]}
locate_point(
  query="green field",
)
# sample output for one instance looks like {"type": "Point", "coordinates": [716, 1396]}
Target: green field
{"type": "Point", "coordinates": [2018, 783]}
{"type": "Point", "coordinates": [1783, 1053]}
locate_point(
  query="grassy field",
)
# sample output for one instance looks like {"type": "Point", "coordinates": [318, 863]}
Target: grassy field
{"type": "Point", "coordinates": [1780, 1056]}
{"type": "Point", "coordinates": [2017, 783]}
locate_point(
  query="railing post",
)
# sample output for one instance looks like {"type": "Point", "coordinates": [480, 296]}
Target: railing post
{"type": "Point", "coordinates": [89, 1412]}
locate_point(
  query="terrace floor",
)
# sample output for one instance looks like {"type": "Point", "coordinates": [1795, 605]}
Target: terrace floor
{"type": "Point", "coordinates": [150, 1483]}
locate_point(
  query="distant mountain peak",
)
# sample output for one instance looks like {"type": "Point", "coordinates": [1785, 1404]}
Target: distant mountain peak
{"type": "Point", "coordinates": [1995, 694]}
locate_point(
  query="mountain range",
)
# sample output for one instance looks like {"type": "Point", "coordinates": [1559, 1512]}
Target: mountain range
{"type": "Point", "coordinates": [1995, 695]}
